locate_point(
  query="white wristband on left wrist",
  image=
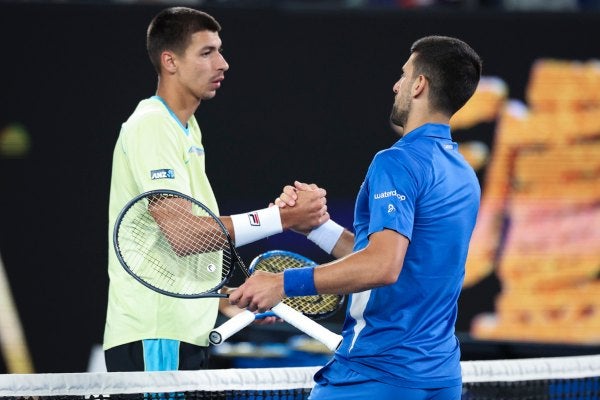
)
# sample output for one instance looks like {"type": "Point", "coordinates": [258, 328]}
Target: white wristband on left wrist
{"type": "Point", "coordinates": [327, 235]}
{"type": "Point", "coordinates": [255, 225]}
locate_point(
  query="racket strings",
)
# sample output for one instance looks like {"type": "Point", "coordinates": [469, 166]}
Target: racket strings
{"type": "Point", "coordinates": [313, 306]}
{"type": "Point", "coordinates": [175, 245]}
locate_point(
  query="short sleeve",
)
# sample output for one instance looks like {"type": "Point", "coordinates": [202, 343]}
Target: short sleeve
{"type": "Point", "coordinates": [156, 154]}
{"type": "Point", "coordinates": [392, 193]}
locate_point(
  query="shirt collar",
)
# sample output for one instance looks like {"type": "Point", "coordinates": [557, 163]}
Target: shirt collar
{"type": "Point", "coordinates": [440, 131]}
{"type": "Point", "coordinates": [184, 128]}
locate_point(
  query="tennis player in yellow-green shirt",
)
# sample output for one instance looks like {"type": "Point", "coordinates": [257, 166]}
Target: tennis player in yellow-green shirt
{"type": "Point", "coordinates": [160, 147]}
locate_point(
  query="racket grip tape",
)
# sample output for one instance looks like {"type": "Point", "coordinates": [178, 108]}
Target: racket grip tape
{"type": "Point", "coordinates": [231, 327]}
{"type": "Point", "coordinates": [311, 328]}
{"type": "Point", "coordinates": [295, 318]}
{"type": "Point", "coordinates": [235, 324]}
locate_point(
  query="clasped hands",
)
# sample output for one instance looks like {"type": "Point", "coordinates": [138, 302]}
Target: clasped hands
{"type": "Point", "coordinates": [305, 207]}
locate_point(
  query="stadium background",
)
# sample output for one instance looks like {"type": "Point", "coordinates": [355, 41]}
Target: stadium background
{"type": "Point", "coordinates": [307, 97]}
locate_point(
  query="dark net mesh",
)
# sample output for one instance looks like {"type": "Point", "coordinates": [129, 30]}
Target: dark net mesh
{"type": "Point", "coordinates": [553, 389]}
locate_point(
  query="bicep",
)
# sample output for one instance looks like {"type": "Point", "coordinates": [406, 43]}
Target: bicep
{"type": "Point", "coordinates": [378, 264]}
{"type": "Point", "coordinates": [389, 248]}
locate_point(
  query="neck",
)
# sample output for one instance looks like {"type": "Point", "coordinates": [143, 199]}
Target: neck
{"type": "Point", "coordinates": [416, 120]}
{"type": "Point", "coordinates": [183, 107]}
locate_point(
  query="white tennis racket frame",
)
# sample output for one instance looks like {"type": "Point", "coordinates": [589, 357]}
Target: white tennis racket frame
{"type": "Point", "coordinates": [295, 318]}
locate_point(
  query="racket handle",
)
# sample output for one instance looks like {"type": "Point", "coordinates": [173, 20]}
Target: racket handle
{"type": "Point", "coordinates": [295, 318]}
{"type": "Point", "coordinates": [235, 324]}
{"type": "Point", "coordinates": [232, 326]}
{"type": "Point", "coordinates": [311, 328]}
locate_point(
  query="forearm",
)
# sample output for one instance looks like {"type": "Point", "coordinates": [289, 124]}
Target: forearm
{"type": "Point", "coordinates": [378, 264]}
{"type": "Point", "coordinates": [351, 274]}
{"type": "Point", "coordinates": [344, 245]}
{"type": "Point", "coordinates": [229, 226]}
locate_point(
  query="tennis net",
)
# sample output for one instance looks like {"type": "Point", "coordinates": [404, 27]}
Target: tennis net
{"type": "Point", "coordinates": [572, 378]}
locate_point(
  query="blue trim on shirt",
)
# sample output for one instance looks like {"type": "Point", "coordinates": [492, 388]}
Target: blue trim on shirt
{"type": "Point", "coordinates": [185, 129]}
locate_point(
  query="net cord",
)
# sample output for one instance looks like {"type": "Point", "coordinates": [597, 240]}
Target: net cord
{"type": "Point", "coordinates": [531, 369]}
{"type": "Point", "coordinates": [107, 383]}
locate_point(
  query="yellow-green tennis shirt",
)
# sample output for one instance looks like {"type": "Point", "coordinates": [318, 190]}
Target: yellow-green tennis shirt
{"type": "Point", "coordinates": [155, 151]}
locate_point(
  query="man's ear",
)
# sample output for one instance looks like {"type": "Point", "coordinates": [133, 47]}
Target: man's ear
{"type": "Point", "coordinates": [168, 62]}
{"type": "Point", "coordinates": [419, 85]}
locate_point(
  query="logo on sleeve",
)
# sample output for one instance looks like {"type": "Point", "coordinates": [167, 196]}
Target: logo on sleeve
{"type": "Point", "coordinates": [162, 174]}
{"type": "Point", "coordinates": [391, 193]}
{"type": "Point", "coordinates": [199, 151]}
{"type": "Point", "coordinates": [254, 220]}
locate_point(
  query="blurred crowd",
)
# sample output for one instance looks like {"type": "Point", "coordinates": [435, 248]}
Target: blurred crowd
{"type": "Point", "coordinates": [509, 5]}
{"type": "Point", "coordinates": [457, 5]}
{"type": "Point", "coordinates": [467, 5]}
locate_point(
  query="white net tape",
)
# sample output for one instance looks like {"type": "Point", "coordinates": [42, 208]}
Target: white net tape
{"type": "Point", "coordinates": [107, 383]}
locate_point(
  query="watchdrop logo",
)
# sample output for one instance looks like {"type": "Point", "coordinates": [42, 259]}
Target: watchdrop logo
{"type": "Point", "coordinates": [391, 193]}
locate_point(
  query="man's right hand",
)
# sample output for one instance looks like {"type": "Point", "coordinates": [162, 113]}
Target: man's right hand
{"type": "Point", "coordinates": [302, 207]}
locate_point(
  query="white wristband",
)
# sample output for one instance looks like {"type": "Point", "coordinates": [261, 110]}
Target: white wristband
{"type": "Point", "coordinates": [326, 235]}
{"type": "Point", "coordinates": [256, 225]}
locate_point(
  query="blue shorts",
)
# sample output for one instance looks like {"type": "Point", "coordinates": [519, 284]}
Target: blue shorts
{"type": "Point", "coordinates": [335, 381]}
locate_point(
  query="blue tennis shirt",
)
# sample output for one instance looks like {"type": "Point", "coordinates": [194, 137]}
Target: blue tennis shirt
{"type": "Point", "coordinates": [403, 333]}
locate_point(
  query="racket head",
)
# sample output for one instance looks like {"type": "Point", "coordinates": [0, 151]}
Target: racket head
{"type": "Point", "coordinates": [174, 245]}
{"type": "Point", "coordinates": [316, 307]}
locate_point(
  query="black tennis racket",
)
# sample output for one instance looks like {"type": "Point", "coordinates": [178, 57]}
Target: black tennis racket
{"type": "Point", "coordinates": [176, 246]}
{"type": "Point", "coordinates": [315, 307]}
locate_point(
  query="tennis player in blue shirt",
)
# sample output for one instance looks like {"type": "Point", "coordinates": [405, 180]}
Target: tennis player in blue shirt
{"type": "Point", "coordinates": [404, 265]}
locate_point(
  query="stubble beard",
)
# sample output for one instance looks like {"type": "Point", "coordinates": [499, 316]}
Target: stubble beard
{"type": "Point", "coordinates": [399, 117]}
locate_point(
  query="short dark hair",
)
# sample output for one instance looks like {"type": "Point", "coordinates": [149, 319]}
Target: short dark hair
{"type": "Point", "coordinates": [172, 28]}
{"type": "Point", "coordinates": [452, 68]}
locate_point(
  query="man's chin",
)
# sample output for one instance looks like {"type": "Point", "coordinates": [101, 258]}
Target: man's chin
{"type": "Point", "coordinates": [399, 129]}
{"type": "Point", "coordinates": [209, 95]}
